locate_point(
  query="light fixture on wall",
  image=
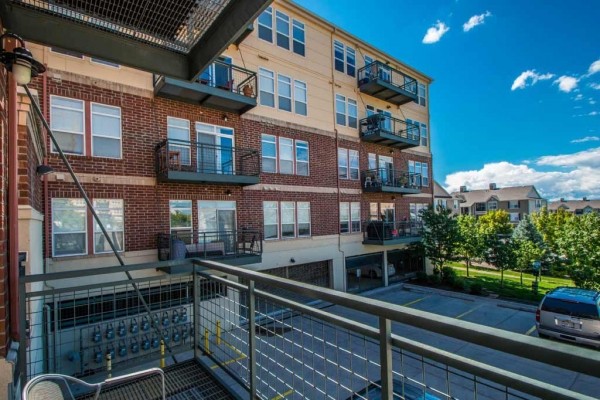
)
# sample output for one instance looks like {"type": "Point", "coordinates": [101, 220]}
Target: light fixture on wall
{"type": "Point", "coordinates": [20, 61]}
{"type": "Point", "coordinates": [292, 260]}
{"type": "Point", "coordinates": [228, 193]}
{"type": "Point", "coordinates": [225, 118]}
{"type": "Point", "coordinates": [42, 170]}
{"type": "Point", "coordinates": [393, 198]}
{"type": "Point", "coordinates": [388, 106]}
{"type": "Point", "coordinates": [391, 151]}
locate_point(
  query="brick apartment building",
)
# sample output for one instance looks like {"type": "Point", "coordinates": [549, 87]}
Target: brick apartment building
{"type": "Point", "coordinates": [277, 158]}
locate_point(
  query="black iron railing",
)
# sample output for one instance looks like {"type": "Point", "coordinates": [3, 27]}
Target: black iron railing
{"type": "Point", "coordinates": [383, 72]}
{"type": "Point", "coordinates": [228, 77]}
{"type": "Point", "coordinates": [380, 177]}
{"type": "Point", "coordinates": [377, 124]}
{"type": "Point", "coordinates": [209, 245]}
{"type": "Point", "coordinates": [180, 155]}
{"type": "Point", "coordinates": [382, 231]}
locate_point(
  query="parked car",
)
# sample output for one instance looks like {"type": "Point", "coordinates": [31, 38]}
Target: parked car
{"type": "Point", "coordinates": [570, 314]}
{"type": "Point", "coordinates": [402, 390]}
{"type": "Point", "coordinates": [376, 270]}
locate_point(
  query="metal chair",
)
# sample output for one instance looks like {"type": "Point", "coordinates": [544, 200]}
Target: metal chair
{"type": "Point", "coordinates": [58, 387]}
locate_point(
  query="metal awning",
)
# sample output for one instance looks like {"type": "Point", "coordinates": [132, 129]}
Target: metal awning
{"type": "Point", "coordinates": [177, 38]}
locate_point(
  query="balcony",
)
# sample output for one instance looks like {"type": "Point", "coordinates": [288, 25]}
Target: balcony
{"type": "Point", "coordinates": [389, 131]}
{"type": "Point", "coordinates": [220, 323]}
{"type": "Point", "coordinates": [230, 247]}
{"type": "Point", "coordinates": [384, 180]}
{"type": "Point", "coordinates": [391, 233]}
{"type": "Point", "coordinates": [386, 83]}
{"type": "Point", "coordinates": [192, 162]}
{"type": "Point", "coordinates": [222, 86]}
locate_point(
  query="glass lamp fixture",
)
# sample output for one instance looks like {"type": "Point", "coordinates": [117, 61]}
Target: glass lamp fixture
{"type": "Point", "coordinates": [20, 61]}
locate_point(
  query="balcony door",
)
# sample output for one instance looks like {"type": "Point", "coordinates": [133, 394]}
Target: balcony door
{"type": "Point", "coordinates": [218, 74]}
{"type": "Point", "coordinates": [386, 169]}
{"type": "Point", "coordinates": [217, 225]}
{"type": "Point", "coordinates": [215, 149]}
{"type": "Point", "coordinates": [386, 122]}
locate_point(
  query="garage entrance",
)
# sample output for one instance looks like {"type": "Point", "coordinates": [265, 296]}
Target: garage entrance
{"type": "Point", "coordinates": [364, 272]}
{"type": "Point", "coordinates": [406, 262]}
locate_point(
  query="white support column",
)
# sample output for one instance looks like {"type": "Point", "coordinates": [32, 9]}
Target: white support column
{"type": "Point", "coordinates": [385, 269]}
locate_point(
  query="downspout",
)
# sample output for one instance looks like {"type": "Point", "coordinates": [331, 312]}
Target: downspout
{"type": "Point", "coordinates": [46, 198]}
{"type": "Point", "coordinates": [13, 201]}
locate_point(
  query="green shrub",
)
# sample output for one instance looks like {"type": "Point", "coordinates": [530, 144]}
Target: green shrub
{"type": "Point", "coordinates": [459, 283]}
{"type": "Point", "coordinates": [448, 275]}
{"type": "Point", "coordinates": [434, 279]}
{"type": "Point", "coordinates": [476, 288]}
{"type": "Point", "coordinates": [421, 276]}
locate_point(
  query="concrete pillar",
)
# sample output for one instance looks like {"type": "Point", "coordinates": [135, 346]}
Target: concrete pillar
{"type": "Point", "coordinates": [385, 269]}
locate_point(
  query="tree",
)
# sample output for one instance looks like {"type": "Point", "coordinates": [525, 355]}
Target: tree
{"type": "Point", "coordinates": [500, 250]}
{"type": "Point", "coordinates": [529, 245]}
{"type": "Point", "coordinates": [580, 243]}
{"type": "Point", "coordinates": [440, 236]}
{"type": "Point", "coordinates": [551, 227]}
{"type": "Point", "coordinates": [470, 245]}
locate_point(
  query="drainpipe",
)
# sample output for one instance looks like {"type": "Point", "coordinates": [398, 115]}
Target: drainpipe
{"type": "Point", "coordinates": [46, 197]}
{"type": "Point", "coordinates": [13, 201]}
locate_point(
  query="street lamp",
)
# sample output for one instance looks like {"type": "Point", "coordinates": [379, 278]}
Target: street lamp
{"type": "Point", "coordinates": [20, 61]}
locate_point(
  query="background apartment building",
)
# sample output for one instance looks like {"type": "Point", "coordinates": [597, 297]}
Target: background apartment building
{"type": "Point", "coordinates": [577, 207]}
{"type": "Point", "coordinates": [517, 201]}
{"type": "Point", "coordinates": [302, 151]}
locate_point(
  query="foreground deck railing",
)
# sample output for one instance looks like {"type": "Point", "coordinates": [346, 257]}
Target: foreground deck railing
{"type": "Point", "coordinates": [245, 323]}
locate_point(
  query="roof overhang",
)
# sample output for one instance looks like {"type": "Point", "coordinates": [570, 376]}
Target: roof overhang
{"type": "Point", "coordinates": [177, 38]}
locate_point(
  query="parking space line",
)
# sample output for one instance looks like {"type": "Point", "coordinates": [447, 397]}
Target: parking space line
{"type": "Point", "coordinates": [468, 311]}
{"type": "Point", "coordinates": [283, 395]}
{"type": "Point", "coordinates": [410, 303]}
{"type": "Point", "coordinates": [530, 331]}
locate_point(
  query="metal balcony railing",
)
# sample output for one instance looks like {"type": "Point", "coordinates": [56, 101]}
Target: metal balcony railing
{"type": "Point", "coordinates": [382, 231]}
{"type": "Point", "coordinates": [384, 179]}
{"type": "Point", "coordinates": [378, 124]}
{"type": "Point", "coordinates": [179, 245]}
{"type": "Point", "coordinates": [242, 323]}
{"type": "Point", "coordinates": [380, 71]}
{"type": "Point", "coordinates": [207, 159]}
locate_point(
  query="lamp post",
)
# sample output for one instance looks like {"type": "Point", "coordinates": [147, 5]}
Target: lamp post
{"type": "Point", "coordinates": [20, 61]}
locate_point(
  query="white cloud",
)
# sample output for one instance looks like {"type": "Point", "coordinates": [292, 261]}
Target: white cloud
{"type": "Point", "coordinates": [586, 139]}
{"type": "Point", "coordinates": [476, 20]}
{"type": "Point", "coordinates": [435, 33]}
{"type": "Point", "coordinates": [566, 83]}
{"type": "Point", "coordinates": [585, 158]}
{"type": "Point", "coordinates": [593, 113]}
{"type": "Point", "coordinates": [534, 77]}
{"type": "Point", "coordinates": [592, 102]}
{"type": "Point", "coordinates": [578, 97]}
{"type": "Point", "coordinates": [595, 86]}
{"type": "Point", "coordinates": [594, 67]}
{"type": "Point", "coordinates": [573, 181]}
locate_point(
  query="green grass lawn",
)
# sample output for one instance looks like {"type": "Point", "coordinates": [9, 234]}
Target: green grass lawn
{"type": "Point", "coordinates": [490, 280]}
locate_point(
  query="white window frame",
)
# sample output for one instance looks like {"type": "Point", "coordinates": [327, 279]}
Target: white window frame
{"type": "Point", "coordinates": [300, 26]}
{"type": "Point", "coordinates": [83, 122]}
{"type": "Point", "coordinates": [105, 63]}
{"type": "Point", "coordinates": [284, 18]}
{"type": "Point", "coordinates": [266, 139]}
{"type": "Point", "coordinates": [79, 207]}
{"type": "Point", "coordinates": [344, 217]}
{"type": "Point", "coordinates": [268, 10]}
{"type": "Point", "coordinates": [67, 53]}
{"type": "Point", "coordinates": [339, 46]}
{"type": "Point", "coordinates": [301, 144]}
{"type": "Point", "coordinates": [422, 89]}
{"type": "Point", "coordinates": [515, 217]}
{"type": "Point", "coordinates": [484, 207]}
{"type": "Point", "coordinates": [186, 147]}
{"type": "Point", "coordinates": [348, 155]}
{"type": "Point", "coordinates": [355, 208]}
{"type": "Point", "coordinates": [425, 174]}
{"type": "Point", "coordinates": [424, 134]}
{"type": "Point", "coordinates": [93, 134]}
{"type": "Point", "coordinates": [285, 142]}
{"type": "Point", "coordinates": [303, 205]}
{"type": "Point", "coordinates": [347, 52]}
{"type": "Point", "coordinates": [98, 231]}
{"type": "Point", "coordinates": [350, 52]}
{"type": "Point", "coordinates": [287, 206]}
{"type": "Point", "coordinates": [340, 100]}
{"type": "Point", "coordinates": [277, 219]}
{"type": "Point", "coordinates": [174, 208]}
{"type": "Point", "coordinates": [268, 75]}
{"type": "Point", "coordinates": [300, 86]}
{"type": "Point", "coordinates": [492, 205]}
{"type": "Point", "coordinates": [282, 82]}
{"type": "Point", "coordinates": [352, 108]}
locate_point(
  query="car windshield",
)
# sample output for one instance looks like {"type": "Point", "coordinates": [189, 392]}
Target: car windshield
{"type": "Point", "coordinates": [574, 309]}
{"type": "Point", "coordinates": [408, 392]}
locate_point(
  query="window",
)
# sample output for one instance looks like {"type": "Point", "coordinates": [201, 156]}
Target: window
{"type": "Point", "coordinates": [180, 215]}
{"type": "Point", "coordinates": [515, 217]}
{"type": "Point", "coordinates": [416, 209]}
{"type": "Point", "coordinates": [492, 205]}
{"type": "Point", "coordinates": [424, 134]}
{"type": "Point", "coordinates": [69, 227]}
{"type": "Point", "coordinates": [282, 22]}
{"type": "Point", "coordinates": [271, 219]}
{"type": "Point", "coordinates": [538, 203]}
{"type": "Point", "coordinates": [265, 25]}
{"type": "Point", "coordinates": [480, 207]}
{"type": "Point", "coordinates": [67, 123]}
{"type": "Point", "coordinates": [425, 174]}
{"type": "Point", "coordinates": [178, 133]}
{"type": "Point", "coordinates": [66, 52]}
{"type": "Point", "coordinates": [286, 156]}
{"type": "Point", "coordinates": [455, 204]}
{"type": "Point", "coordinates": [300, 98]}
{"type": "Point", "coordinates": [341, 118]}
{"type": "Point", "coordinates": [104, 62]}
{"type": "Point", "coordinates": [422, 94]}
{"type": "Point", "coordinates": [343, 53]}
{"type": "Point", "coordinates": [348, 164]}
{"type": "Point", "coordinates": [299, 40]}
{"type": "Point", "coordinates": [349, 217]}
{"type": "Point", "coordinates": [106, 131]}
{"type": "Point", "coordinates": [303, 219]}
{"type": "Point", "coordinates": [110, 212]}
{"type": "Point", "coordinates": [415, 168]}
{"type": "Point", "coordinates": [269, 153]}
{"type": "Point", "coordinates": [288, 219]}
{"type": "Point", "coordinates": [302, 158]}
{"type": "Point", "coordinates": [284, 91]}
{"type": "Point", "coordinates": [267, 87]}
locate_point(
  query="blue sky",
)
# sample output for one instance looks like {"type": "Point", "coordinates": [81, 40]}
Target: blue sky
{"type": "Point", "coordinates": [511, 94]}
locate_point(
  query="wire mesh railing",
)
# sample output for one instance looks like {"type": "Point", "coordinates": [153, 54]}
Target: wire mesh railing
{"type": "Point", "coordinates": [381, 71]}
{"type": "Point", "coordinates": [247, 325]}
{"type": "Point", "coordinates": [379, 123]}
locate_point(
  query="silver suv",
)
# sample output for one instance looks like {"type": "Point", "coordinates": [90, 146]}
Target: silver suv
{"type": "Point", "coordinates": [570, 314]}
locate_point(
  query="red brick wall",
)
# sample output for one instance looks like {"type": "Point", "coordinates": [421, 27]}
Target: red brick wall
{"type": "Point", "coordinates": [30, 184]}
{"type": "Point", "coordinates": [3, 214]}
{"type": "Point", "coordinates": [147, 207]}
